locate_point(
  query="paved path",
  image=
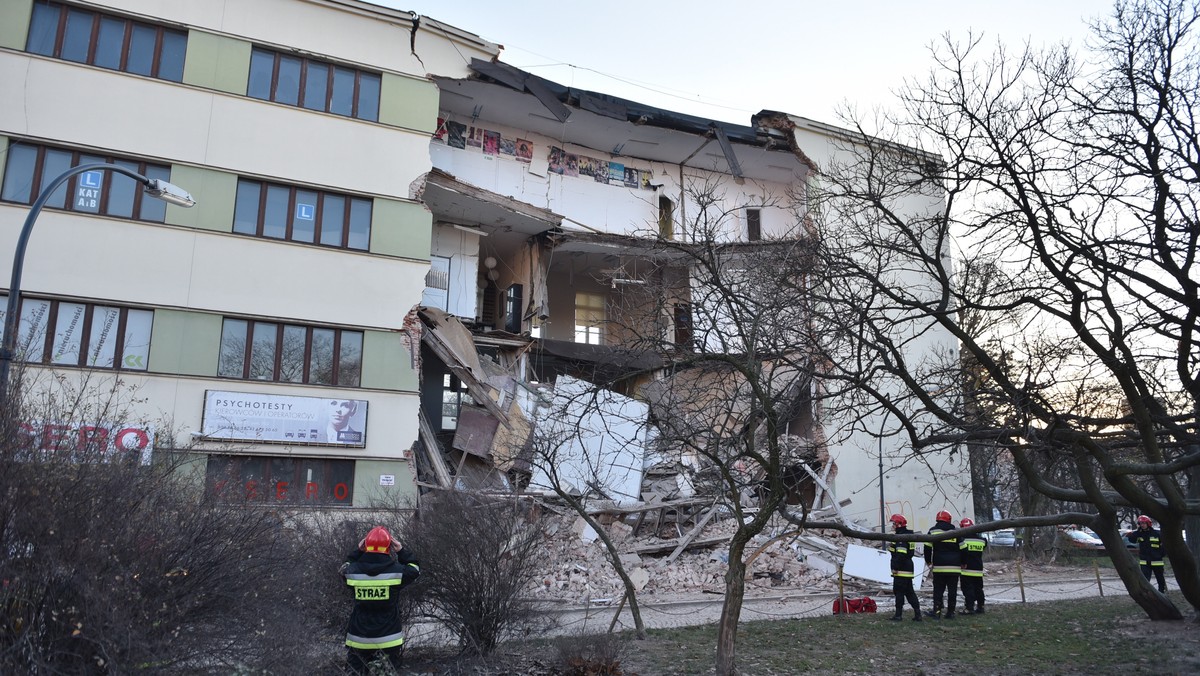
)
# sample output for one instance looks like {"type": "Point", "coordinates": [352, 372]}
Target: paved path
{"type": "Point", "coordinates": [574, 619]}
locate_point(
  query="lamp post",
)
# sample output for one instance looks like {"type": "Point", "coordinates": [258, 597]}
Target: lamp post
{"type": "Point", "coordinates": [172, 194]}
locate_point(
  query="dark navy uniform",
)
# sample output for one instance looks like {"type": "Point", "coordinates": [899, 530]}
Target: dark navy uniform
{"type": "Point", "coordinates": [376, 579]}
{"type": "Point", "coordinates": [945, 563]}
{"type": "Point", "coordinates": [971, 550]}
{"type": "Point", "coordinates": [902, 574]}
{"type": "Point", "coordinates": [1150, 554]}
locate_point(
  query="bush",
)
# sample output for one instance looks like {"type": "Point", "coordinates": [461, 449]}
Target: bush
{"type": "Point", "coordinates": [477, 558]}
{"type": "Point", "coordinates": [598, 655]}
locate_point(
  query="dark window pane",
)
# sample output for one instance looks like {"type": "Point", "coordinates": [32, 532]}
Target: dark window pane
{"type": "Point", "coordinates": [320, 363]}
{"type": "Point", "coordinates": [109, 43]}
{"type": "Point", "coordinates": [78, 36]}
{"type": "Point", "coordinates": [155, 209]}
{"type": "Point", "coordinates": [121, 191]}
{"type": "Point", "coordinates": [342, 102]}
{"type": "Point", "coordinates": [291, 358]}
{"type": "Point", "coordinates": [316, 86]}
{"type": "Point", "coordinates": [304, 216]}
{"type": "Point", "coordinates": [360, 224]}
{"type": "Point", "coordinates": [43, 28]}
{"type": "Point", "coordinates": [333, 220]}
{"type": "Point", "coordinates": [245, 210]}
{"type": "Point", "coordinates": [233, 348]}
{"type": "Point", "coordinates": [262, 352]}
{"type": "Point", "coordinates": [18, 174]}
{"type": "Point", "coordinates": [262, 65]}
{"type": "Point", "coordinates": [275, 217]}
{"type": "Point", "coordinates": [141, 50]}
{"type": "Point", "coordinates": [287, 87]}
{"type": "Point", "coordinates": [170, 59]}
{"type": "Point", "coordinates": [350, 359]}
{"type": "Point", "coordinates": [368, 97]}
{"type": "Point", "coordinates": [89, 185]}
{"type": "Point", "coordinates": [54, 163]}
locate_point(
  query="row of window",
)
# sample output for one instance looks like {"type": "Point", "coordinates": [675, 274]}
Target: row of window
{"type": "Point", "coordinates": [66, 333]}
{"type": "Point", "coordinates": [290, 353]}
{"type": "Point", "coordinates": [280, 480]}
{"type": "Point", "coordinates": [262, 209]}
{"type": "Point", "coordinates": [74, 34]}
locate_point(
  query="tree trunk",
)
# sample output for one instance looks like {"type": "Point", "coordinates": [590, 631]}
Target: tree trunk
{"type": "Point", "coordinates": [731, 609]}
{"type": "Point", "coordinates": [1156, 605]}
{"type": "Point", "coordinates": [1183, 563]}
{"type": "Point", "coordinates": [614, 557]}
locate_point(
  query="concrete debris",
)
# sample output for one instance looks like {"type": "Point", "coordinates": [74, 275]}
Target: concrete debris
{"type": "Point", "coordinates": [576, 570]}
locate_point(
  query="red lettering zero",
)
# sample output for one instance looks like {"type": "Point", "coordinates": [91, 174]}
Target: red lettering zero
{"type": "Point", "coordinates": [340, 491]}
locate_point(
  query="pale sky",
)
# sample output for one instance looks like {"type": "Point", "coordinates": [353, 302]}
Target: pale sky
{"type": "Point", "coordinates": [729, 60]}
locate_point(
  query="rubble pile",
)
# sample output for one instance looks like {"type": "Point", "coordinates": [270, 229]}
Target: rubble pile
{"type": "Point", "coordinates": [575, 566]}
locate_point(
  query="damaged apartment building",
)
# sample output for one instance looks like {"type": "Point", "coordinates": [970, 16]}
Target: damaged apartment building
{"type": "Point", "coordinates": [549, 280]}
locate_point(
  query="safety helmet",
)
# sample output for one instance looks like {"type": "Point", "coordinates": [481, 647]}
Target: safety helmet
{"type": "Point", "coordinates": [966, 523]}
{"type": "Point", "coordinates": [1143, 519]}
{"type": "Point", "coordinates": [378, 540]}
{"type": "Point", "coordinates": [899, 520]}
{"type": "Point", "coordinates": [944, 516]}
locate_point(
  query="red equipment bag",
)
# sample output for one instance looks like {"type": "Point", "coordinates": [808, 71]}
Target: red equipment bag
{"type": "Point", "coordinates": [864, 605]}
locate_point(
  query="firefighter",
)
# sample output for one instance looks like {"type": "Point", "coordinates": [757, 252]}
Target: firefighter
{"type": "Point", "coordinates": [377, 570]}
{"type": "Point", "coordinates": [1150, 556]}
{"type": "Point", "coordinates": [902, 571]}
{"type": "Point", "coordinates": [943, 559]}
{"type": "Point", "coordinates": [971, 548]}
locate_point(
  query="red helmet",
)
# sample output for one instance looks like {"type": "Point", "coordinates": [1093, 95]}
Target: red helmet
{"type": "Point", "coordinates": [899, 520]}
{"type": "Point", "coordinates": [1143, 519]}
{"type": "Point", "coordinates": [378, 540]}
{"type": "Point", "coordinates": [966, 523]}
{"type": "Point", "coordinates": [944, 516]}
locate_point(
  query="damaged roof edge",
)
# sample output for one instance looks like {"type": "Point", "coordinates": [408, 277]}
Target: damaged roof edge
{"type": "Point", "coordinates": [611, 106]}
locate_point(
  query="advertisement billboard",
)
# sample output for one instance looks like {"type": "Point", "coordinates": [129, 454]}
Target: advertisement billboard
{"type": "Point", "coordinates": [248, 416]}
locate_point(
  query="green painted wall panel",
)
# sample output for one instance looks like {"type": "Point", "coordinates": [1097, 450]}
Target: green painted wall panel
{"type": "Point", "coordinates": [186, 343]}
{"type": "Point", "coordinates": [406, 102]}
{"type": "Point", "coordinates": [214, 192]}
{"type": "Point", "coordinates": [369, 493]}
{"type": "Point", "coordinates": [14, 23]}
{"type": "Point", "coordinates": [387, 363]}
{"type": "Point", "coordinates": [217, 62]}
{"type": "Point", "coordinates": [401, 229]}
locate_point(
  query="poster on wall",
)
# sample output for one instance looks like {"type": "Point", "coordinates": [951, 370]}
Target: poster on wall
{"type": "Point", "coordinates": [248, 416]}
{"type": "Point", "coordinates": [456, 134]}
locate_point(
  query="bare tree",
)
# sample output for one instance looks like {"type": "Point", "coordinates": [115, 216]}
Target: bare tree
{"type": "Point", "coordinates": [115, 561]}
{"type": "Point", "coordinates": [1074, 176]}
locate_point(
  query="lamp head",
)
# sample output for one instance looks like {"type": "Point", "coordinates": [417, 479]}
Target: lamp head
{"type": "Point", "coordinates": [169, 193]}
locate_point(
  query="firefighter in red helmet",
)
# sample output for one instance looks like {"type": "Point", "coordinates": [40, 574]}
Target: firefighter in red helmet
{"type": "Point", "coordinates": [946, 564]}
{"type": "Point", "coordinates": [902, 570]}
{"type": "Point", "coordinates": [1150, 554]}
{"type": "Point", "coordinates": [971, 549]}
{"type": "Point", "coordinates": [377, 571]}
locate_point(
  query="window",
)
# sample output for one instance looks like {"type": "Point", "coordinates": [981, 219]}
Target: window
{"type": "Point", "coordinates": [29, 168]}
{"type": "Point", "coordinates": [74, 34]}
{"type": "Point", "coordinates": [666, 217]}
{"type": "Point", "coordinates": [304, 82]}
{"type": "Point", "coordinates": [302, 215]}
{"type": "Point", "coordinates": [589, 316]}
{"type": "Point", "coordinates": [753, 225]}
{"type": "Point", "coordinates": [454, 396]}
{"type": "Point", "coordinates": [683, 325]}
{"type": "Point", "coordinates": [284, 480]}
{"type": "Point", "coordinates": [289, 353]}
{"type": "Point", "coordinates": [82, 334]}
{"type": "Point", "coordinates": [512, 309]}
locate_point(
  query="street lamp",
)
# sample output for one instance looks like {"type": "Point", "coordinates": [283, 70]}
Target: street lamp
{"type": "Point", "coordinates": [167, 192]}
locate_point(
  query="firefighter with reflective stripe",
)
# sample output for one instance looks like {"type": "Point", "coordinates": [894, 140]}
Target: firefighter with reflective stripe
{"type": "Point", "coordinates": [376, 572]}
{"type": "Point", "coordinates": [945, 563]}
{"type": "Point", "coordinates": [902, 571]}
{"type": "Point", "coordinates": [1150, 553]}
{"type": "Point", "coordinates": [970, 549]}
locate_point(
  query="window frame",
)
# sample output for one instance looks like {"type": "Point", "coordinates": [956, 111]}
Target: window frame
{"type": "Point", "coordinates": [594, 326]}
{"type": "Point", "coordinates": [127, 39]}
{"type": "Point", "coordinates": [50, 331]}
{"type": "Point", "coordinates": [753, 224]}
{"type": "Point", "coordinates": [318, 231]}
{"type": "Point", "coordinates": [70, 187]}
{"type": "Point", "coordinates": [302, 83]}
{"type": "Point", "coordinates": [221, 470]}
{"type": "Point", "coordinates": [336, 374]}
